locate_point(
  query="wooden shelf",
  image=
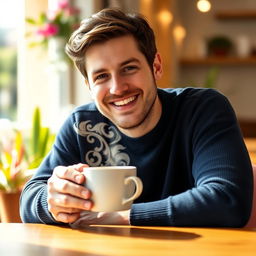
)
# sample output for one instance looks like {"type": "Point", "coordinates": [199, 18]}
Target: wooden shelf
{"type": "Point", "coordinates": [248, 128]}
{"type": "Point", "coordinates": [236, 15]}
{"type": "Point", "coordinates": [235, 61]}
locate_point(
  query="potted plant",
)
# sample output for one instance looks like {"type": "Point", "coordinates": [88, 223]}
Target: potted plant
{"type": "Point", "coordinates": [54, 27]}
{"type": "Point", "coordinates": [18, 156]}
{"type": "Point", "coordinates": [12, 171]}
{"type": "Point", "coordinates": [219, 46]}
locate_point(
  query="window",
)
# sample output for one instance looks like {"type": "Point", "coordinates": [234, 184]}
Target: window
{"type": "Point", "coordinates": [9, 20]}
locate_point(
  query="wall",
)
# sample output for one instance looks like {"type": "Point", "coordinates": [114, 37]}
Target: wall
{"type": "Point", "coordinates": [34, 88]}
{"type": "Point", "coordinates": [32, 79]}
{"type": "Point", "coordinates": [160, 17]}
{"type": "Point", "coordinates": [236, 82]}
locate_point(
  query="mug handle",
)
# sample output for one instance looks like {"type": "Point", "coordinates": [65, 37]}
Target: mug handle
{"type": "Point", "coordinates": [139, 187]}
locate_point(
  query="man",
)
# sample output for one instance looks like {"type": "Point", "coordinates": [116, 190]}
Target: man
{"type": "Point", "coordinates": [186, 143]}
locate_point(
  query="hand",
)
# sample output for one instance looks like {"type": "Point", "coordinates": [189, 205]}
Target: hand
{"type": "Point", "coordinates": [67, 197]}
{"type": "Point", "coordinates": [102, 218]}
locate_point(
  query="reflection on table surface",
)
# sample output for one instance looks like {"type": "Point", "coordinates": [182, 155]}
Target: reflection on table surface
{"type": "Point", "coordinates": [40, 239]}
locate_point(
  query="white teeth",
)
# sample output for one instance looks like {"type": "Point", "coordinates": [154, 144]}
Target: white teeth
{"type": "Point", "coordinates": [125, 101]}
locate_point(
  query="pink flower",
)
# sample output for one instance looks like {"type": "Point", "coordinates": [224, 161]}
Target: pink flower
{"type": "Point", "coordinates": [48, 30]}
{"type": "Point", "coordinates": [63, 4]}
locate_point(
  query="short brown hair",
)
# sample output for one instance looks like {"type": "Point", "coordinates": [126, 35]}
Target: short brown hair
{"type": "Point", "coordinates": [107, 24]}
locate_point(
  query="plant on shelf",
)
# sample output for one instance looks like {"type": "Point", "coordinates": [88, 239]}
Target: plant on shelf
{"type": "Point", "coordinates": [220, 46]}
{"type": "Point", "coordinates": [59, 23]}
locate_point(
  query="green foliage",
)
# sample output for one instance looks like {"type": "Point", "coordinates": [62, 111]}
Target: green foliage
{"type": "Point", "coordinates": [12, 173]}
{"type": "Point", "coordinates": [40, 141]}
{"type": "Point", "coordinates": [60, 24]}
{"type": "Point", "coordinates": [219, 46]}
{"type": "Point", "coordinates": [8, 80]}
{"type": "Point", "coordinates": [220, 41]}
{"type": "Point", "coordinates": [211, 77]}
{"type": "Point", "coordinates": [19, 156]}
{"type": "Point", "coordinates": [209, 80]}
{"type": "Point", "coordinates": [8, 67]}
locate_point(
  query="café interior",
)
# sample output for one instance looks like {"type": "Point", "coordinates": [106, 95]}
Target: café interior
{"type": "Point", "coordinates": [185, 32]}
{"type": "Point", "coordinates": [203, 43]}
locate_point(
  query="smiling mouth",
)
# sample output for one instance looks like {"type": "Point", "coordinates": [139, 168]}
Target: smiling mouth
{"type": "Point", "coordinates": [124, 102]}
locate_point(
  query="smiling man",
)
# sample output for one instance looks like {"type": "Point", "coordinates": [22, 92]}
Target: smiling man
{"type": "Point", "coordinates": [123, 85]}
{"type": "Point", "coordinates": [185, 143]}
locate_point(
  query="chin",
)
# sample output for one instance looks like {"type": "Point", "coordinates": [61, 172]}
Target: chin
{"type": "Point", "coordinates": [128, 125]}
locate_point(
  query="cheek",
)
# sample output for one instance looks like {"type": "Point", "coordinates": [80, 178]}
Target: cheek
{"type": "Point", "coordinates": [93, 95]}
{"type": "Point", "coordinates": [97, 93]}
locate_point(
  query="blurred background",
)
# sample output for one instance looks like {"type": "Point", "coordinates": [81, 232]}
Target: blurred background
{"type": "Point", "coordinates": [204, 43]}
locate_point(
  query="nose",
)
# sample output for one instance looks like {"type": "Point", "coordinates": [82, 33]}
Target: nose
{"type": "Point", "coordinates": [118, 85]}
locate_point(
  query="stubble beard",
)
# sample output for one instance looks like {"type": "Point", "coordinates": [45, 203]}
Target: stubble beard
{"type": "Point", "coordinates": [128, 126]}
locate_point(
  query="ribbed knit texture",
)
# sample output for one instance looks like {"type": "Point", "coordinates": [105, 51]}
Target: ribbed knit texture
{"type": "Point", "coordinates": [194, 165]}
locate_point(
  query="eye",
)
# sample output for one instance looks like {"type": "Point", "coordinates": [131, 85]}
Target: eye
{"type": "Point", "coordinates": [101, 77]}
{"type": "Point", "coordinates": [129, 69]}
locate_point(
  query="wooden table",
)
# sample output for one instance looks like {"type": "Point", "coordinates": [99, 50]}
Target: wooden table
{"type": "Point", "coordinates": [43, 240]}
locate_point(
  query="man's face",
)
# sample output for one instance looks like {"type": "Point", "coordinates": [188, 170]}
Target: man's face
{"type": "Point", "coordinates": [123, 86]}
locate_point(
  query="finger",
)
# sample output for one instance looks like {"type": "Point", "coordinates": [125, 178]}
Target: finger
{"type": "Point", "coordinates": [67, 217]}
{"type": "Point", "coordinates": [63, 214]}
{"type": "Point", "coordinates": [69, 173]}
{"type": "Point", "coordinates": [80, 167]}
{"type": "Point", "coordinates": [67, 187]}
{"type": "Point", "coordinates": [57, 209]}
{"type": "Point", "coordinates": [68, 201]}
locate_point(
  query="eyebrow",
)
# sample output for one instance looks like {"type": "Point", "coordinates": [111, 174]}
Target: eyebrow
{"type": "Point", "coordinates": [101, 70]}
{"type": "Point", "coordinates": [129, 61]}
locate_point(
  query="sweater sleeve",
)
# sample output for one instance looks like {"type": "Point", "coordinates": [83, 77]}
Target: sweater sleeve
{"type": "Point", "coordinates": [33, 201]}
{"type": "Point", "coordinates": [221, 195]}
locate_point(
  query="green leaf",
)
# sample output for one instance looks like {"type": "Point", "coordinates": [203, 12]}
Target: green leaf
{"type": "Point", "coordinates": [33, 44]}
{"type": "Point", "coordinates": [211, 77]}
{"type": "Point", "coordinates": [39, 141]}
{"type": "Point", "coordinates": [31, 21]}
{"type": "Point", "coordinates": [45, 133]}
{"type": "Point", "coordinates": [36, 131]}
{"type": "Point", "coordinates": [42, 19]}
{"type": "Point", "coordinates": [35, 163]}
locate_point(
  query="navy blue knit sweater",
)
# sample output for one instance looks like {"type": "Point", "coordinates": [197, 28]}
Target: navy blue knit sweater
{"type": "Point", "coordinates": [194, 165]}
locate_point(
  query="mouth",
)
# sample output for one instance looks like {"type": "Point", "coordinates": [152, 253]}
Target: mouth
{"type": "Point", "coordinates": [125, 102]}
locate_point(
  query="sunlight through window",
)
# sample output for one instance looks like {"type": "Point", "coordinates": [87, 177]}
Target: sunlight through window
{"type": "Point", "coordinates": [10, 17]}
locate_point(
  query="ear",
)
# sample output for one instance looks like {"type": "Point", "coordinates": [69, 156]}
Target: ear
{"type": "Point", "coordinates": [157, 67]}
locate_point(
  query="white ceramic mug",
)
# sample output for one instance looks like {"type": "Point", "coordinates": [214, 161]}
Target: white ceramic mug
{"type": "Point", "coordinates": [113, 187]}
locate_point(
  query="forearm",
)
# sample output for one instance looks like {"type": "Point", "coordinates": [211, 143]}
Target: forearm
{"type": "Point", "coordinates": [33, 204]}
{"type": "Point", "coordinates": [206, 206]}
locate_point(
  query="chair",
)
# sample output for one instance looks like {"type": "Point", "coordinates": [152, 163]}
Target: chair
{"type": "Point", "coordinates": [252, 221]}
